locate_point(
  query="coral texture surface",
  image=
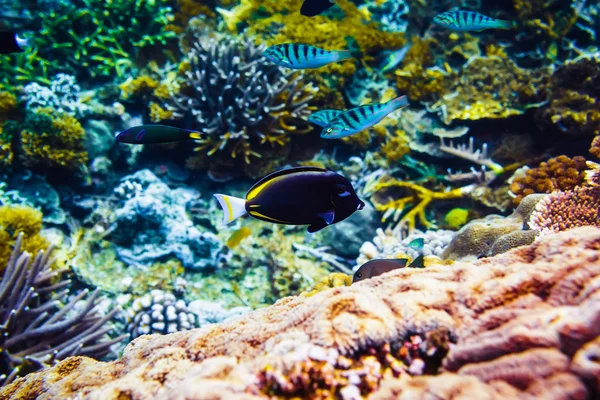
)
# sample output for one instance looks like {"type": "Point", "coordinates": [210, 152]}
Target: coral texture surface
{"type": "Point", "coordinates": [523, 324]}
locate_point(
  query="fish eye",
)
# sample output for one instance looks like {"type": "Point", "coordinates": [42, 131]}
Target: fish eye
{"type": "Point", "coordinates": [329, 130]}
{"type": "Point", "coordinates": [340, 188]}
{"type": "Point", "coordinates": [359, 275]}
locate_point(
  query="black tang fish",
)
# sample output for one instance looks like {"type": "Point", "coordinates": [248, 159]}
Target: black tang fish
{"type": "Point", "coordinates": [148, 134]}
{"type": "Point", "coordinates": [310, 8]}
{"type": "Point", "coordinates": [377, 267]}
{"type": "Point", "coordinates": [10, 42]}
{"type": "Point", "coordinates": [297, 196]}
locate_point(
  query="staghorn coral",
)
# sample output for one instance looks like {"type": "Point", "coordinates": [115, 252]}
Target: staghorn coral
{"type": "Point", "coordinates": [558, 173]}
{"type": "Point", "coordinates": [574, 101]}
{"type": "Point", "coordinates": [39, 328]}
{"type": "Point", "coordinates": [560, 211]}
{"type": "Point", "coordinates": [496, 331]}
{"type": "Point", "coordinates": [245, 106]}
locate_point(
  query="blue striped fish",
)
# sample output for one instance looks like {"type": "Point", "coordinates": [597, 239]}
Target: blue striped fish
{"type": "Point", "coordinates": [361, 118]}
{"type": "Point", "coordinates": [303, 56]}
{"type": "Point", "coordinates": [394, 58]}
{"type": "Point", "coordinates": [470, 21]}
{"type": "Point", "coordinates": [323, 117]}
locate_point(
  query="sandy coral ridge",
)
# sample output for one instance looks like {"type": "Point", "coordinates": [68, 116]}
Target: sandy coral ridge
{"type": "Point", "coordinates": [523, 324]}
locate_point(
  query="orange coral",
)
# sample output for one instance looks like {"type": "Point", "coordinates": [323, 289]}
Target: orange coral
{"type": "Point", "coordinates": [20, 219]}
{"type": "Point", "coordinates": [140, 86]}
{"type": "Point", "coordinates": [559, 173]}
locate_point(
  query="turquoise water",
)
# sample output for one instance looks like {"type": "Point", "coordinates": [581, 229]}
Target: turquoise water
{"type": "Point", "coordinates": [120, 121]}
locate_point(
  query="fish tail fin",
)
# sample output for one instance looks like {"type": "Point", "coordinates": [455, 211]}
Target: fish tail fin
{"type": "Point", "coordinates": [195, 135]}
{"type": "Point", "coordinates": [503, 24]}
{"type": "Point", "coordinates": [233, 207]}
{"type": "Point", "coordinates": [399, 102]}
{"type": "Point", "coordinates": [345, 54]}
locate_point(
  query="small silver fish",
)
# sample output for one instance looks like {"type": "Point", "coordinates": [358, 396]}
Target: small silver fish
{"type": "Point", "coordinates": [361, 118]}
{"type": "Point", "coordinates": [394, 58]}
{"type": "Point", "coordinates": [303, 56]}
{"type": "Point", "coordinates": [461, 20]}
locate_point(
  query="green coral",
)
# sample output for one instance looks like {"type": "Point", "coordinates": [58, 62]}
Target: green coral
{"type": "Point", "coordinates": [100, 38]}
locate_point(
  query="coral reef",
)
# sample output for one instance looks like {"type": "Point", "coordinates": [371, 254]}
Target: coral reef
{"type": "Point", "coordinates": [488, 330]}
{"type": "Point", "coordinates": [392, 244]}
{"type": "Point", "coordinates": [574, 103]}
{"type": "Point", "coordinates": [63, 95]}
{"type": "Point", "coordinates": [45, 140]}
{"type": "Point", "coordinates": [558, 173]}
{"type": "Point", "coordinates": [101, 39]}
{"type": "Point", "coordinates": [151, 224]}
{"type": "Point", "coordinates": [39, 328]}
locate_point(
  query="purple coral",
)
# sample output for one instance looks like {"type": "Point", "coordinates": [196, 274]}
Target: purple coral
{"type": "Point", "coordinates": [238, 98]}
{"type": "Point", "coordinates": [38, 328]}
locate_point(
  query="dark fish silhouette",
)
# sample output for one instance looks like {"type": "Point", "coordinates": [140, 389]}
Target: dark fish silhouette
{"type": "Point", "coordinates": [296, 196]}
{"type": "Point", "coordinates": [377, 267]}
{"type": "Point", "coordinates": [10, 42]}
{"type": "Point", "coordinates": [148, 134]}
{"type": "Point", "coordinates": [310, 8]}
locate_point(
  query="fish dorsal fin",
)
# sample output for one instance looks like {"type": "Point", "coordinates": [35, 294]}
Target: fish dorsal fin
{"type": "Point", "coordinates": [418, 262]}
{"type": "Point", "coordinates": [260, 185]}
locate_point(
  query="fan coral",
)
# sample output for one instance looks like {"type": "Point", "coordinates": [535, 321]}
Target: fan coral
{"type": "Point", "coordinates": [574, 106]}
{"type": "Point", "coordinates": [516, 326]}
{"type": "Point", "coordinates": [15, 221]}
{"type": "Point", "coordinates": [47, 140]}
{"type": "Point", "coordinates": [101, 38]}
{"type": "Point", "coordinates": [558, 173]}
{"type": "Point", "coordinates": [560, 211]}
{"type": "Point", "coordinates": [244, 105]}
{"type": "Point", "coordinates": [38, 329]}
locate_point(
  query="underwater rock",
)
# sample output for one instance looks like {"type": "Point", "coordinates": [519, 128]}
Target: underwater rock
{"type": "Point", "coordinates": [99, 138]}
{"type": "Point", "coordinates": [347, 236]}
{"type": "Point", "coordinates": [152, 224]}
{"type": "Point", "coordinates": [504, 327]}
{"type": "Point", "coordinates": [208, 312]}
{"type": "Point", "coordinates": [34, 191]}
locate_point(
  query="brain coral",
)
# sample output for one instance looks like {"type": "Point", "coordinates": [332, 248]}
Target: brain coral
{"type": "Point", "coordinates": [523, 324]}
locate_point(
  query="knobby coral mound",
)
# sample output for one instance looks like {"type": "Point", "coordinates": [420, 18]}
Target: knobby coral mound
{"type": "Point", "coordinates": [37, 327]}
{"type": "Point", "coordinates": [523, 324]}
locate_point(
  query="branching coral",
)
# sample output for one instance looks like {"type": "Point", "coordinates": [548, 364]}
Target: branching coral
{"type": "Point", "coordinates": [558, 173]}
{"type": "Point", "coordinates": [574, 107]}
{"type": "Point", "coordinates": [37, 328]}
{"type": "Point", "coordinates": [47, 140]}
{"type": "Point", "coordinates": [103, 38]}
{"type": "Point", "coordinates": [245, 106]}
{"type": "Point", "coordinates": [420, 197]}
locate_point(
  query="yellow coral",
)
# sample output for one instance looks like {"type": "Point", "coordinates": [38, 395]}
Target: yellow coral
{"type": "Point", "coordinates": [157, 113]}
{"type": "Point", "coordinates": [8, 103]}
{"type": "Point", "coordinates": [456, 217]}
{"type": "Point", "coordinates": [142, 85]}
{"type": "Point", "coordinates": [396, 147]}
{"type": "Point", "coordinates": [17, 219]}
{"type": "Point", "coordinates": [335, 279]}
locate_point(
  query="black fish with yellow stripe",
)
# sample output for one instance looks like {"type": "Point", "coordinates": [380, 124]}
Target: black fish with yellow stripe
{"type": "Point", "coordinates": [155, 133]}
{"type": "Point", "coordinates": [297, 196]}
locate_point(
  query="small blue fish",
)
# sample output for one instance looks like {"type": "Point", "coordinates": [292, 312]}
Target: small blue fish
{"type": "Point", "coordinates": [394, 58]}
{"type": "Point", "coordinates": [417, 244]}
{"type": "Point", "coordinates": [323, 117]}
{"type": "Point", "coordinates": [303, 56]}
{"type": "Point", "coordinates": [361, 118]}
{"type": "Point", "coordinates": [470, 21]}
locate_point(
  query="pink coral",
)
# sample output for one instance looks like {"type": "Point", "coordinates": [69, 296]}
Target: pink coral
{"type": "Point", "coordinates": [523, 324]}
{"type": "Point", "coordinates": [560, 211]}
